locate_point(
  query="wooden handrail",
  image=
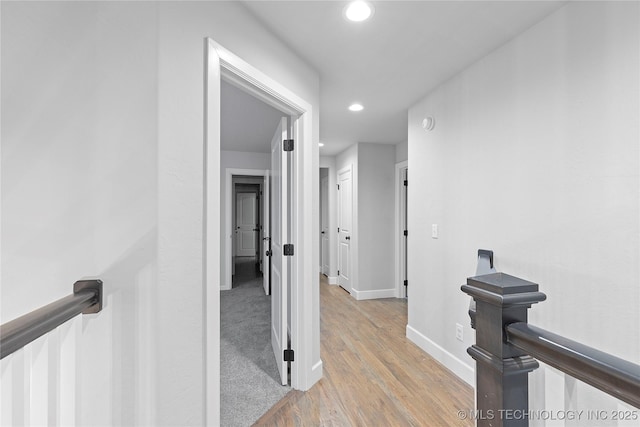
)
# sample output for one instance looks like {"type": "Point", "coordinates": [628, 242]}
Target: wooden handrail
{"type": "Point", "coordinates": [15, 334]}
{"type": "Point", "coordinates": [608, 373]}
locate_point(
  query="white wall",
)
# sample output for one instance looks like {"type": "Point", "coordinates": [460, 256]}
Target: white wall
{"type": "Point", "coordinates": [372, 246]}
{"type": "Point", "coordinates": [376, 203]}
{"type": "Point", "coordinates": [535, 155]}
{"type": "Point", "coordinates": [79, 198]}
{"type": "Point", "coordinates": [234, 160]}
{"type": "Point", "coordinates": [402, 152]}
{"type": "Point", "coordinates": [102, 174]}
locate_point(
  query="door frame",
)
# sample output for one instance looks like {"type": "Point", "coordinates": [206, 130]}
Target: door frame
{"type": "Point", "coordinates": [330, 164]}
{"type": "Point", "coordinates": [221, 64]}
{"type": "Point", "coordinates": [257, 221]}
{"type": "Point", "coordinates": [398, 230]}
{"type": "Point", "coordinates": [324, 205]}
{"type": "Point", "coordinates": [228, 261]}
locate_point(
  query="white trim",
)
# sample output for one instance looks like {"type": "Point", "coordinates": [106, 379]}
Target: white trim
{"type": "Point", "coordinates": [211, 231]}
{"type": "Point", "coordinates": [461, 369]}
{"type": "Point", "coordinates": [243, 75]}
{"type": "Point", "coordinates": [324, 206]}
{"type": "Point", "coordinates": [330, 164]}
{"type": "Point", "coordinates": [228, 235]}
{"type": "Point", "coordinates": [220, 63]}
{"type": "Point", "coordinates": [400, 291]}
{"type": "Point", "coordinates": [316, 371]}
{"type": "Point", "coordinates": [377, 294]}
{"type": "Point", "coordinates": [332, 280]}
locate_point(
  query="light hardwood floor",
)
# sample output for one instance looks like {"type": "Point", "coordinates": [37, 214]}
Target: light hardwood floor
{"type": "Point", "coordinates": [373, 375]}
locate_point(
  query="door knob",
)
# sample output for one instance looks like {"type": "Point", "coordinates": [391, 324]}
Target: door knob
{"type": "Point", "coordinates": [322, 232]}
{"type": "Point", "coordinates": [347, 238]}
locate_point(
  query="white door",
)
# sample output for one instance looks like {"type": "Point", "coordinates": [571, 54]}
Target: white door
{"type": "Point", "coordinates": [324, 225]}
{"type": "Point", "coordinates": [345, 227]}
{"type": "Point", "coordinates": [279, 236]}
{"type": "Point", "coordinates": [246, 224]}
{"type": "Point", "coordinates": [266, 235]}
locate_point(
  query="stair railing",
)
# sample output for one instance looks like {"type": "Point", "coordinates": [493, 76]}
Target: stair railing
{"type": "Point", "coordinates": [15, 334]}
{"type": "Point", "coordinates": [507, 347]}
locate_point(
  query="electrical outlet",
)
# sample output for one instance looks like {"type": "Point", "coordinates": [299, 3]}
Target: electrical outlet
{"type": "Point", "coordinates": [459, 332]}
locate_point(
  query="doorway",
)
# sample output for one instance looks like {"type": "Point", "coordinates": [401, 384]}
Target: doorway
{"type": "Point", "coordinates": [248, 368]}
{"type": "Point", "coordinates": [246, 181]}
{"type": "Point", "coordinates": [345, 228]}
{"type": "Point", "coordinates": [248, 224]}
{"type": "Point", "coordinates": [324, 222]}
{"type": "Point", "coordinates": [401, 231]}
{"type": "Point", "coordinates": [250, 378]}
{"type": "Point", "coordinates": [305, 334]}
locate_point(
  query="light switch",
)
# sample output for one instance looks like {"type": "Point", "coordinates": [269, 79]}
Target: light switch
{"type": "Point", "coordinates": [459, 332]}
{"type": "Point", "coordinates": [434, 231]}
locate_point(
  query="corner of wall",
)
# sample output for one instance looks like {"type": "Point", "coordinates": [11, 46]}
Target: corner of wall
{"type": "Point", "coordinates": [451, 362]}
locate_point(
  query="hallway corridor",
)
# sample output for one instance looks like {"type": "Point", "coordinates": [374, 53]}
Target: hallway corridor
{"type": "Point", "coordinates": [373, 375]}
{"type": "Point", "coordinates": [246, 271]}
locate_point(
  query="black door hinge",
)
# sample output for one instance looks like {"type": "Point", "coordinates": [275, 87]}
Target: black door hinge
{"type": "Point", "coordinates": [406, 182]}
{"type": "Point", "coordinates": [288, 355]}
{"type": "Point", "coordinates": [288, 249]}
{"type": "Point", "coordinates": [287, 145]}
{"type": "Point", "coordinates": [406, 232]}
{"type": "Point", "coordinates": [406, 283]}
{"type": "Point", "coordinates": [338, 272]}
{"type": "Point", "coordinates": [269, 253]}
{"type": "Point", "coordinates": [338, 186]}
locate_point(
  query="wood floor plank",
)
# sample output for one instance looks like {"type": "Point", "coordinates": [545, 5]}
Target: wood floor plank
{"type": "Point", "coordinates": [373, 375]}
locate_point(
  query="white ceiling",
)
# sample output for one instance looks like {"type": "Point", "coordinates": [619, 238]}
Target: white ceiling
{"type": "Point", "coordinates": [246, 123]}
{"type": "Point", "coordinates": [387, 63]}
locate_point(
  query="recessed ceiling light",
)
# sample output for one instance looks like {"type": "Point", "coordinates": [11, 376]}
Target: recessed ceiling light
{"type": "Point", "coordinates": [358, 11]}
{"type": "Point", "coordinates": [320, 144]}
{"type": "Point", "coordinates": [356, 107]}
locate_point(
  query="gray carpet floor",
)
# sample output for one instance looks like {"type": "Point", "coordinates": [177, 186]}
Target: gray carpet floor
{"type": "Point", "coordinates": [249, 379]}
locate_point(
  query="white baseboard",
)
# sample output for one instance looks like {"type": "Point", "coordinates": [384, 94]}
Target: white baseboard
{"type": "Point", "coordinates": [455, 365]}
{"type": "Point", "coordinates": [225, 287]}
{"type": "Point", "coordinates": [309, 378]}
{"type": "Point", "coordinates": [316, 372]}
{"type": "Point", "coordinates": [380, 293]}
{"type": "Point", "coordinates": [333, 280]}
